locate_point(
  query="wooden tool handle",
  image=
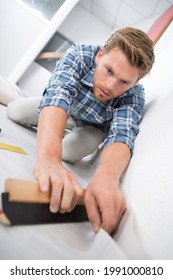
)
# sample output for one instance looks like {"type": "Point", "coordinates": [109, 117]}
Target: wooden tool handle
{"type": "Point", "coordinates": [27, 191]}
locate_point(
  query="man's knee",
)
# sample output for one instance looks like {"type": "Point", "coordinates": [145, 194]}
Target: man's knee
{"type": "Point", "coordinates": [81, 142]}
{"type": "Point", "coordinates": [71, 148]}
{"type": "Point", "coordinates": [24, 110]}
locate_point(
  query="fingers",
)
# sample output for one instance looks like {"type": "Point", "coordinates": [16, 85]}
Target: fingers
{"type": "Point", "coordinates": [56, 193]}
{"type": "Point", "coordinates": [65, 194]}
{"type": "Point", "coordinates": [52, 183]}
{"type": "Point", "coordinates": [42, 176]}
{"type": "Point", "coordinates": [93, 211]}
{"type": "Point", "coordinates": [71, 195]}
{"type": "Point", "coordinates": [105, 211]}
{"type": "Point", "coordinates": [105, 206]}
{"type": "Point", "coordinates": [112, 214]}
{"type": "Point", "coordinates": [65, 190]}
{"type": "Point", "coordinates": [44, 183]}
{"type": "Point", "coordinates": [77, 199]}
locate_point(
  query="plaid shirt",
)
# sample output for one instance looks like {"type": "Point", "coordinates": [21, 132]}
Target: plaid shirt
{"type": "Point", "coordinates": [71, 88]}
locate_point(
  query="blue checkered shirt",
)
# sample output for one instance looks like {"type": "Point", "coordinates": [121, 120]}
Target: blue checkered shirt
{"type": "Point", "coordinates": [71, 88]}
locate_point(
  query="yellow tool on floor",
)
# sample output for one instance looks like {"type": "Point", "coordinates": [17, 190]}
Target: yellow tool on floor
{"type": "Point", "coordinates": [12, 148]}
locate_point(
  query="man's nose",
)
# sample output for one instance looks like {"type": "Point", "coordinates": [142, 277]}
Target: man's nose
{"type": "Point", "coordinates": [111, 84]}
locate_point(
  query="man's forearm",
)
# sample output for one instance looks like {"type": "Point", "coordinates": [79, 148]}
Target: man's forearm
{"type": "Point", "coordinates": [51, 127]}
{"type": "Point", "coordinates": [114, 159]}
{"type": "Point", "coordinates": [65, 191]}
{"type": "Point", "coordinates": [103, 199]}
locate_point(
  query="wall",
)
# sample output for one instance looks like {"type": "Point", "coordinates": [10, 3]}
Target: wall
{"type": "Point", "coordinates": [82, 27]}
{"type": "Point", "coordinates": [18, 30]}
{"type": "Point", "coordinates": [79, 26]}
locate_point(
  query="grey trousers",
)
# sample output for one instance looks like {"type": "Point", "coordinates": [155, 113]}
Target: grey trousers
{"type": "Point", "coordinates": [77, 143]}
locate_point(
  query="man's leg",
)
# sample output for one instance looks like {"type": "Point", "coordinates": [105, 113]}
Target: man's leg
{"type": "Point", "coordinates": [20, 109]}
{"type": "Point", "coordinates": [81, 142]}
{"type": "Point", "coordinates": [8, 91]}
{"type": "Point", "coordinates": [24, 110]}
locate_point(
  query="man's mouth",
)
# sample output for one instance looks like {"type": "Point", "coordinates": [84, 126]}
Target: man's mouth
{"type": "Point", "coordinates": [104, 93]}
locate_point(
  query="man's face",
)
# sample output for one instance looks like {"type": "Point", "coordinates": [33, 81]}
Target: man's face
{"type": "Point", "coordinates": [113, 75]}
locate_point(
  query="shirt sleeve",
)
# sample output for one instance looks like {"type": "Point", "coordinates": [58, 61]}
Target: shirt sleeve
{"type": "Point", "coordinates": [62, 86]}
{"type": "Point", "coordinates": [126, 118]}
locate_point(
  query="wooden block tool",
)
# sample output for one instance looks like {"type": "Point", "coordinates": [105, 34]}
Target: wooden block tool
{"type": "Point", "coordinates": [23, 204]}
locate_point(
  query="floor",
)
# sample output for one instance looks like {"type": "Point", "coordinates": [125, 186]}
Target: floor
{"type": "Point", "coordinates": [50, 241]}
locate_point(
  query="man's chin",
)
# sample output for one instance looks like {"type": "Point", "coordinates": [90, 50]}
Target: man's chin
{"type": "Point", "coordinates": [102, 98]}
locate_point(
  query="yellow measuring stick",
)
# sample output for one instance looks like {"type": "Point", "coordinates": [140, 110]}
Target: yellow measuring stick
{"type": "Point", "coordinates": [12, 148]}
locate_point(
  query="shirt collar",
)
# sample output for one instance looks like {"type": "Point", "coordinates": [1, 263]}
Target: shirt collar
{"type": "Point", "coordinates": [88, 78]}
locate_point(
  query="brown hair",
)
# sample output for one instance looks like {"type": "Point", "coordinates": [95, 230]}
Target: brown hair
{"type": "Point", "coordinates": [137, 47]}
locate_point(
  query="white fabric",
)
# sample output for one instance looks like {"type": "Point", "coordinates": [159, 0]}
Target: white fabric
{"type": "Point", "coordinates": [67, 241]}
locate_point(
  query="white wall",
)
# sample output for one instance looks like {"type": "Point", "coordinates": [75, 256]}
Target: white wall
{"type": "Point", "coordinates": [80, 26]}
{"type": "Point", "coordinates": [18, 29]}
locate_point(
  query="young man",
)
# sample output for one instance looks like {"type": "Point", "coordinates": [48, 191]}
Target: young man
{"type": "Point", "coordinates": [96, 89]}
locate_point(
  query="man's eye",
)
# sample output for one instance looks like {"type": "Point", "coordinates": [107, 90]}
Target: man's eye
{"type": "Point", "coordinates": [123, 82]}
{"type": "Point", "coordinates": [109, 70]}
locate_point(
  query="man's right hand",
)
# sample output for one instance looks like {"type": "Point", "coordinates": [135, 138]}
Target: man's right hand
{"type": "Point", "coordinates": [66, 191]}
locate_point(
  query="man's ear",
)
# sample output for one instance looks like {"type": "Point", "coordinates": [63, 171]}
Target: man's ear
{"type": "Point", "coordinates": [99, 55]}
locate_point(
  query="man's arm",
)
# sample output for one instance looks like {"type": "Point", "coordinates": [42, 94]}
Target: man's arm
{"type": "Point", "coordinates": [103, 199]}
{"type": "Point", "coordinates": [48, 170]}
